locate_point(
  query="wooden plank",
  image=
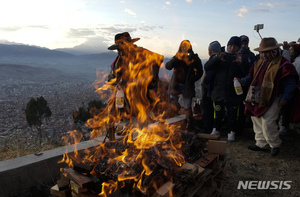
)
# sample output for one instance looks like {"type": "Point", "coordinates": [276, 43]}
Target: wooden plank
{"type": "Point", "coordinates": [163, 191]}
{"type": "Point", "coordinates": [77, 188]}
{"type": "Point", "coordinates": [217, 166]}
{"type": "Point", "coordinates": [83, 168]}
{"type": "Point", "coordinates": [63, 183]}
{"type": "Point", "coordinates": [205, 176]}
{"type": "Point", "coordinates": [206, 160]}
{"type": "Point", "coordinates": [55, 191]}
{"type": "Point", "coordinates": [84, 194]}
{"type": "Point", "coordinates": [179, 189]}
{"type": "Point", "coordinates": [75, 195]}
{"type": "Point", "coordinates": [209, 136]}
{"type": "Point", "coordinates": [189, 168]}
{"type": "Point", "coordinates": [81, 180]}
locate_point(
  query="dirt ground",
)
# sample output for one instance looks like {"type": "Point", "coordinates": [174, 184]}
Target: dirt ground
{"type": "Point", "coordinates": [247, 165]}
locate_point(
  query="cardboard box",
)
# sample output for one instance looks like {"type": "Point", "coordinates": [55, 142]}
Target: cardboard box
{"type": "Point", "coordinates": [217, 147]}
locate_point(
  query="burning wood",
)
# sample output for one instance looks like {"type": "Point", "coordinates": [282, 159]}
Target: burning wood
{"type": "Point", "coordinates": [163, 177]}
{"type": "Point", "coordinates": [150, 159]}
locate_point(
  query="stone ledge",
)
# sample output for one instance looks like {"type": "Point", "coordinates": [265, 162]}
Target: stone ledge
{"type": "Point", "coordinates": [20, 174]}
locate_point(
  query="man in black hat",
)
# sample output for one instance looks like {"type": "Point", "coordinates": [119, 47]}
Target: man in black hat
{"type": "Point", "coordinates": [123, 44]}
{"type": "Point", "coordinates": [136, 71]}
{"type": "Point", "coordinates": [128, 52]}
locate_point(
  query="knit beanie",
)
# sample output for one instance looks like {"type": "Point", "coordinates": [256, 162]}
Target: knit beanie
{"type": "Point", "coordinates": [234, 40]}
{"type": "Point", "coordinates": [215, 45]}
{"type": "Point", "coordinates": [244, 38]}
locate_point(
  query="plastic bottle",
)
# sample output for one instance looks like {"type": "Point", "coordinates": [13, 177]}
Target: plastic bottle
{"type": "Point", "coordinates": [237, 86]}
{"type": "Point", "coordinates": [119, 97]}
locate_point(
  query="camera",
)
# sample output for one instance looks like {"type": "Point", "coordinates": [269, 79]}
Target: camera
{"type": "Point", "coordinates": [190, 54]}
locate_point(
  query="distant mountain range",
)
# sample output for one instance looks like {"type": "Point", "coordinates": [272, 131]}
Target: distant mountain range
{"type": "Point", "coordinates": [19, 51]}
{"type": "Point", "coordinates": [63, 62]}
{"type": "Point", "coordinates": [83, 49]}
{"type": "Point", "coordinates": [70, 64]}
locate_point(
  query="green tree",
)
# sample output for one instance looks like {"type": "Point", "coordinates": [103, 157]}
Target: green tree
{"type": "Point", "coordinates": [36, 111]}
{"type": "Point", "coordinates": [82, 115]}
{"type": "Point", "coordinates": [95, 107]}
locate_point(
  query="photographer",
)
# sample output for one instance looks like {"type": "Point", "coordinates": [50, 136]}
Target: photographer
{"type": "Point", "coordinates": [187, 70]}
{"type": "Point", "coordinates": [227, 66]}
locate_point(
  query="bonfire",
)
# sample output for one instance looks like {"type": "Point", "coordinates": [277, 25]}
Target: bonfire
{"type": "Point", "coordinates": [150, 151]}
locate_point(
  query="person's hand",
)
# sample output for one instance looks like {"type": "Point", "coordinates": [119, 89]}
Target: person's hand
{"type": "Point", "coordinates": [221, 56]}
{"type": "Point", "coordinates": [180, 55]}
{"type": "Point", "coordinates": [183, 56]}
{"type": "Point", "coordinates": [285, 45]}
{"type": "Point", "coordinates": [190, 54]}
{"type": "Point", "coordinates": [239, 80]}
{"type": "Point", "coordinates": [282, 103]}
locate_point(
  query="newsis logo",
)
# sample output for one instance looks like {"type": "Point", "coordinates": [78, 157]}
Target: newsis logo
{"type": "Point", "coordinates": [260, 185]}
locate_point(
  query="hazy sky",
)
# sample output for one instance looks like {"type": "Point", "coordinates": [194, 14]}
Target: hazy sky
{"type": "Point", "coordinates": [160, 24]}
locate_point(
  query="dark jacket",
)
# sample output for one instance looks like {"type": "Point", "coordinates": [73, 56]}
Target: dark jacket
{"type": "Point", "coordinates": [144, 63]}
{"type": "Point", "coordinates": [250, 58]}
{"type": "Point", "coordinates": [208, 81]}
{"type": "Point", "coordinates": [185, 74]}
{"type": "Point", "coordinates": [225, 71]}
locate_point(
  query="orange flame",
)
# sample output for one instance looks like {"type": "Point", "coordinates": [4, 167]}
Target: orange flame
{"type": "Point", "coordinates": [138, 82]}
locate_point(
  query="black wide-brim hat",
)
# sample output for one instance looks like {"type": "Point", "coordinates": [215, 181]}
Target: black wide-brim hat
{"type": "Point", "coordinates": [122, 37]}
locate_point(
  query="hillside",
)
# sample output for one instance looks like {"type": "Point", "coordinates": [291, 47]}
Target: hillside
{"type": "Point", "coordinates": [11, 72]}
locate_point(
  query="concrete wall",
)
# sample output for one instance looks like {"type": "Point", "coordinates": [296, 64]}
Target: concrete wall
{"type": "Point", "coordinates": [20, 174]}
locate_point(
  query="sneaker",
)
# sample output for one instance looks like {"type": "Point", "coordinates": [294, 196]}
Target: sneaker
{"type": "Point", "coordinates": [275, 151]}
{"type": "Point", "coordinates": [231, 136]}
{"type": "Point", "coordinates": [256, 148]}
{"type": "Point", "coordinates": [215, 132]}
{"type": "Point", "coordinates": [283, 130]}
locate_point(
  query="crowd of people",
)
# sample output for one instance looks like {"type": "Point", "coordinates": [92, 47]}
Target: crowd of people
{"type": "Point", "coordinates": [268, 82]}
